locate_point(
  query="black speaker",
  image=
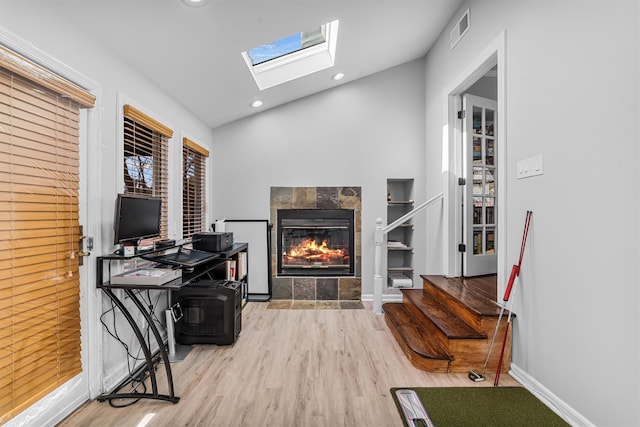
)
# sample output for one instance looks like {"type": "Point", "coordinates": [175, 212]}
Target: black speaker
{"type": "Point", "coordinates": [211, 312]}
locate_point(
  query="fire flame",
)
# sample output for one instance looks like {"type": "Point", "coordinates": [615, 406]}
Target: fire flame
{"type": "Point", "coordinates": [310, 250]}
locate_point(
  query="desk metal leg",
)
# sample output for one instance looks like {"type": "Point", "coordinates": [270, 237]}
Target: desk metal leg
{"type": "Point", "coordinates": [146, 350]}
{"type": "Point", "coordinates": [163, 350]}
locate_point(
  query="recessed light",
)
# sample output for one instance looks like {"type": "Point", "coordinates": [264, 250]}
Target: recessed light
{"type": "Point", "coordinates": [338, 76]}
{"type": "Point", "coordinates": [195, 3]}
{"type": "Point", "coordinates": [257, 103]}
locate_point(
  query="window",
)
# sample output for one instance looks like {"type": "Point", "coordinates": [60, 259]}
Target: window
{"type": "Point", "coordinates": [287, 45]}
{"type": "Point", "coordinates": [194, 159]}
{"type": "Point", "coordinates": [146, 159]}
{"type": "Point", "coordinates": [40, 345]}
{"type": "Point", "coordinates": [294, 56]}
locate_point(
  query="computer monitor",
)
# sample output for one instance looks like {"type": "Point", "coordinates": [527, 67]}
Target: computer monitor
{"type": "Point", "coordinates": [136, 218]}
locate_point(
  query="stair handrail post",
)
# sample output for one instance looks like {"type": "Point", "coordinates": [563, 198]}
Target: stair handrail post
{"type": "Point", "coordinates": [379, 240]}
{"type": "Point", "coordinates": [377, 277]}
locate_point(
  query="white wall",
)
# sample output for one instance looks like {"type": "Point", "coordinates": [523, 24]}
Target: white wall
{"type": "Point", "coordinates": [43, 30]}
{"type": "Point", "coordinates": [357, 134]}
{"type": "Point", "coordinates": [572, 75]}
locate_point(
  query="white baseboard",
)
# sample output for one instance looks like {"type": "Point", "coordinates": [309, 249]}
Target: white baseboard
{"type": "Point", "coordinates": [120, 373]}
{"type": "Point", "coordinates": [54, 407]}
{"type": "Point", "coordinates": [116, 376]}
{"type": "Point", "coordinates": [556, 404]}
{"type": "Point", "coordinates": [385, 298]}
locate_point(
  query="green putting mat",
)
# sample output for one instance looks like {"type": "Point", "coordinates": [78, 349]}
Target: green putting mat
{"type": "Point", "coordinates": [482, 406]}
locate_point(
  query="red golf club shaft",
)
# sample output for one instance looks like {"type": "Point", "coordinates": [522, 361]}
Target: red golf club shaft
{"type": "Point", "coordinates": [515, 272]}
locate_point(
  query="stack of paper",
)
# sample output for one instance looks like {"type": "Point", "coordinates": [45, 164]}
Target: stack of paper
{"type": "Point", "coordinates": [242, 265]}
{"type": "Point", "coordinates": [395, 244]}
{"type": "Point", "coordinates": [400, 281]}
{"type": "Point", "coordinates": [147, 276]}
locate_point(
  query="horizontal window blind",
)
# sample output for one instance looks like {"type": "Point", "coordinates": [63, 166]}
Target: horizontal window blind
{"type": "Point", "coordinates": [146, 152]}
{"type": "Point", "coordinates": [147, 121]}
{"type": "Point", "coordinates": [17, 64]}
{"type": "Point", "coordinates": [39, 231]}
{"type": "Point", "coordinates": [193, 188]}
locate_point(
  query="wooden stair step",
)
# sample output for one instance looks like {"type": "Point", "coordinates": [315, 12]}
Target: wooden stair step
{"type": "Point", "coordinates": [477, 302]}
{"type": "Point", "coordinates": [451, 318]}
{"type": "Point", "coordinates": [415, 336]}
{"type": "Point", "coordinates": [451, 326]}
{"type": "Point", "coordinates": [466, 299]}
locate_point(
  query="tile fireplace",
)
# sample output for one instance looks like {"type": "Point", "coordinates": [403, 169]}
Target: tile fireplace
{"type": "Point", "coordinates": [317, 236]}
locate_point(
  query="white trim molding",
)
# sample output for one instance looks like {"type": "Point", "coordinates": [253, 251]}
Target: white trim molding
{"type": "Point", "coordinates": [492, 55]}
{"type": "Point", "coordinates": [554, 403]}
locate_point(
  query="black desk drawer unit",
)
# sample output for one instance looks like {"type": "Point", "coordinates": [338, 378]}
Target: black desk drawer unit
{"type": "Point", "coordinates": [211, 312]}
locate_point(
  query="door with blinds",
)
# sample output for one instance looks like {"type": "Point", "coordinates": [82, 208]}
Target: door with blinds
{"type": "Point", "coordinates": [40, 240]}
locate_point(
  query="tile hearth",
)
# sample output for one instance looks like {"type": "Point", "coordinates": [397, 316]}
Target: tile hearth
{"type": "Point", "coordinates": [314, 305]}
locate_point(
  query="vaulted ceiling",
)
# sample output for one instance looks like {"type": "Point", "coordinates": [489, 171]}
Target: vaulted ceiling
{"type": "Point", "coordinates": [194, 53]}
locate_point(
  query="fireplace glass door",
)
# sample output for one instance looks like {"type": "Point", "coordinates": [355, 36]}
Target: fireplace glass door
{"type": "Point", "coordinates": [315, 242]}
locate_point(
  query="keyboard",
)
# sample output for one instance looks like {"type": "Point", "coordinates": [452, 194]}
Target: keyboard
{"type": "Point", "coordinates": [183, 257]}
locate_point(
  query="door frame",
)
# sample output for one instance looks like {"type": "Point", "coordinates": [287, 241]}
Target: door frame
{"type": "Point", "coordinates": [494, 54]}
{"type": "Point", "coordinates": [87, 385]}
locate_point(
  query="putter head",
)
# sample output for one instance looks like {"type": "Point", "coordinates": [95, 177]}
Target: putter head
{"type": "Point", "coordinates": [475, 377]}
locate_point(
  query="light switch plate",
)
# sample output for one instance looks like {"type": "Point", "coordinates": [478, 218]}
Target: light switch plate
{"type": "Point", "coordinates": [530, 167]}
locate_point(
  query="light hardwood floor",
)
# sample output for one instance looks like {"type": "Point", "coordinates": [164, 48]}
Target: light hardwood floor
{"type": "Point", "coordinates": [287, 368]}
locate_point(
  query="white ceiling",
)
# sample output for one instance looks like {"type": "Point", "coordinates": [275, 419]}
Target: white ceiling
{"type": "Point", "coordinates": [194, 53]}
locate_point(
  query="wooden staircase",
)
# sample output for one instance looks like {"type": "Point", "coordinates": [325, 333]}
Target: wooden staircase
{"type": "Point", "coordinates": [447, 325]}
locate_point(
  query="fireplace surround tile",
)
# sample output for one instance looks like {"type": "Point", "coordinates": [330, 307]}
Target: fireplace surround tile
{"type": "Point", "coordinates": [282, 288]}
{"type": "Point", "coordinates": [349, 288]}
{"type": "Point", "coordinates": [350, 198]}
{"type": "Point", "coordinates": [304, 198]}
{"type": "Point", "coordinates": [314, 305]}
{"type": "Point", "coordinates": [327, 288]}
{"type": "Point", "coordinates": [319, 289]}
{"type": "Point", "coordinates": [282, 197]}
{"type": "Point", "coordinates": [327, 198]}
{"type": "Point", "coordinates": [280, 304]}
{"type": "Point", "coordinates": [303, 305]}
{"type": "Point", "coordinates": [349, 305]}
{"type": "Point", "coordinates": [327, 305]}
{"type": "Point", "coordinates": [304, 288]}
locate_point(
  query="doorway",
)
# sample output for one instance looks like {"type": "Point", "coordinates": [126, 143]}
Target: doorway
{"type": "Point", "coordinates": [491, 60]}
{"type": "Point", "coordinates": [70, 131]}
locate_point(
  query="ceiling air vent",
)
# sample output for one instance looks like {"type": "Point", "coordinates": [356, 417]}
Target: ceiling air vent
{"type": "Point", "coordinates": [459, 29]}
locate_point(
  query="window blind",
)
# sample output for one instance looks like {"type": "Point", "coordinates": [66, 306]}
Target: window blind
{"type": "Point", "coordinates": [146, 159]}
{"type": "Point", "coordinates": [193, 188]}
{"type": "Point", "coordinates": [40, 345]}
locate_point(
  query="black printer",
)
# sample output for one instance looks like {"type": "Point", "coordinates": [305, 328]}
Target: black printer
{"type": "Point", "coordinates": [211, 241]}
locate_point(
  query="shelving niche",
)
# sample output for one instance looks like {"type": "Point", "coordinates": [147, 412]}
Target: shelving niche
{"type": "Point", "coordinates": [399, 241]}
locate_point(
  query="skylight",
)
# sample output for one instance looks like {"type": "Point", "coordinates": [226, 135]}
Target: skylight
{"type": "Point", "coordinates": [287, 45]}
{"type": "Point", "coordinates": [293, 56]}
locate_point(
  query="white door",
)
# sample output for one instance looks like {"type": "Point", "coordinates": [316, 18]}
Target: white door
{"type": "Point", "coordinates": [480, 222]}
{"type": "Point", "coordinates": [50, 155]}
